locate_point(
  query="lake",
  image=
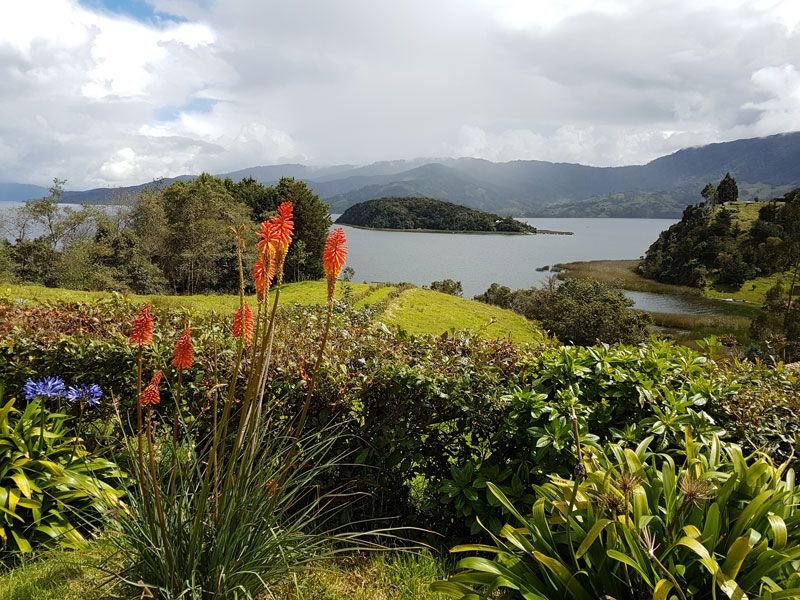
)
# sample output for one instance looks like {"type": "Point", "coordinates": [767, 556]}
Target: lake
{"type": "Point", "coordinates": [477, 261]}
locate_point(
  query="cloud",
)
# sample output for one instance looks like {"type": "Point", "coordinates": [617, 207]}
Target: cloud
{"type": "Point", "coordinates": [104, 98]}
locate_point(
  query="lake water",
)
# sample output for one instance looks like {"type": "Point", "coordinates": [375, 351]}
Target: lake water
{"type": "Point", "coordinates": [477, 261]}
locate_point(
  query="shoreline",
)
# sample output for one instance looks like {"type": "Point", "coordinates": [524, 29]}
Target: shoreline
{"type": "Point", "coordinates": [537, 232]}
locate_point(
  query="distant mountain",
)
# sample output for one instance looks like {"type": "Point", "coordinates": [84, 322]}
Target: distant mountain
{"type": "Point", "coordinates": [17, 192]}
{"type": "Point", "coordinates": [663, 187]}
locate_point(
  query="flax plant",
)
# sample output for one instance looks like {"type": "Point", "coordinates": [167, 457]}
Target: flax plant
{"type": "Point", "coordinates": [228, 515]}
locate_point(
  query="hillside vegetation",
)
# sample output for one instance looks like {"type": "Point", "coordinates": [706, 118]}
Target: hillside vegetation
{"type": "Point", "coordinates": [661, 188]}
{"type": "Point", "coordinates": [429, 214]}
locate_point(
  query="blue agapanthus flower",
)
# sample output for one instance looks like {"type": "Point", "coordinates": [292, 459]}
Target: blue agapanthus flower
{"type": "Point", "coordinates": [89, 394]}
{"type": "Point", "coordinates": [48, 387]}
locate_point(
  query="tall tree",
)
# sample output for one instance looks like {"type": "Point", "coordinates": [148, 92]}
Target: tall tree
{"type": "Point", "coordinates": [709, 194]}
{"type": "Point", "coordinates": [312, 220]}
{"type": "Point", "coordinates": [727, 190]}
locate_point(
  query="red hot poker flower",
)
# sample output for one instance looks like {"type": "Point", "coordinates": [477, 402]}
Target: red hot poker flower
{"type": "Point", "coordinates": [248, 324]}
{"type": "Point", "coordinates": [183, 357]}
{"type": "Point", "coordinates": [263, 273]}
{"type": "Point", "coordinates": [142, 331]}
{"type": "Point", "coordinates": [267, 236]}
{"type": "Point", "coordinates": [333, 257]}
{"type": "Point", "coordinates": [150, 395]}
{"type": "Point", "coordinates": [283, 224]}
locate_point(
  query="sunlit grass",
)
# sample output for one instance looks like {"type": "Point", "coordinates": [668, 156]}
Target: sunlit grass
{"type": "Point", "coordinates": [377, 295]}
{"type": "Point", "coordinates": [417, 311]}
{"type": "Point", "coordinates": [424, 311]}
{"type": "Point", "coordinates": [306, 292]}
{"type": "Point", "coordinates": [62, 575]}
{"type": "Point", "coordinates": [752, 291]}
{"type": "Point", "coordinates": [395, 576]}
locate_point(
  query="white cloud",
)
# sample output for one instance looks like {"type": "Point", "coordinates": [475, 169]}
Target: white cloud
{"type": "Point", "coordinates": [105, 99]}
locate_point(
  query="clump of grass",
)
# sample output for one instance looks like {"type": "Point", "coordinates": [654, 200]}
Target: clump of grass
{"type": "Point", "coordinates": [621, 274]}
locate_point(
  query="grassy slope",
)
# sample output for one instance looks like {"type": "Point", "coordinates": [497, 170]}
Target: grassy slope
{"type": "Point", "coordinates": [417, 311]}
{"type": "Point", "coordinates": [425, 311]}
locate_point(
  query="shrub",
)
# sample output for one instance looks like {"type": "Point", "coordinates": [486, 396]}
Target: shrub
{"type": "Point", "coordinates": [51, 489]}
{"type": "Point", "coordinates": [642, 524]}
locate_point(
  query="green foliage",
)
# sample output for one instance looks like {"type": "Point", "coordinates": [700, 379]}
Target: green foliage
{"type": "Point", "coordinates": [448, 286]}
{"type": "Point", "coordinates": [696, 523]}
{"type": "Point", "coordinates": [427, 213]}
{"type": "Point", "coordinates": [722, 246]}
{"type": "Point", "coordinates": [577, 311]}
{"type": "Point", "coordinates": [311, 218]}
{"type": "Point", "coordinates": [727, 190]}
{"type": "Point", "coordinates": [51, 488]}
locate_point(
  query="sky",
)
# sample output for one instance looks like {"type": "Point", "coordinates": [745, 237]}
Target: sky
{"type": "Point", "coordinates": [117, 92]}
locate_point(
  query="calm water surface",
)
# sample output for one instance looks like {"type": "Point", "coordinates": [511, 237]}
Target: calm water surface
{"type": "Point", "coordinates": [480, 260]}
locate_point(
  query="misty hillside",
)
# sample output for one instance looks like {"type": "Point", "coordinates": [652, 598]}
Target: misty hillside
{"type": "Point", "coordinates": [663, 187]}
{"type": "Point", "coordinates": [16, 192]}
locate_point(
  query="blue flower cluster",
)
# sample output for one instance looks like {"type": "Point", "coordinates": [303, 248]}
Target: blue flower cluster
{"type": "Point", "coordinates": [54, 387]}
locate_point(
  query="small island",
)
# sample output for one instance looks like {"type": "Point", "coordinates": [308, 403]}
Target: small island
{"type": "Point", "coordinates": [428, 214]}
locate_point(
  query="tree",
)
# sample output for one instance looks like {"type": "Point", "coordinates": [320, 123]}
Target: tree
{"type": "Point", "coordinates": [709, 194]}
{"type": "Point", "coordinates": [185, 230]}
{"type": "Point", "coordinates": [579, 311]}
{"type": "Point", "coordinates": [448, 286]}
{"type": "Point", "coordinates": [311, 216]}
{"type": "Point", "coordinates": [727, 191]}
{"type": "Point", "coordinates": [58, 225]}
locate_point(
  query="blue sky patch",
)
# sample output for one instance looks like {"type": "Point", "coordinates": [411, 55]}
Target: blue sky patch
{"type": "Point", "coordinates": [138, 9]}
{"type": "Point", "coordinates": [170, 113]}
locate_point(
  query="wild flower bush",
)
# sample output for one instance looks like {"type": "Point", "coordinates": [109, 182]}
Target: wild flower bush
{"type": "Point", "coordinates": [225, 515]}
{"type": "Point", "coordinates": [52, 490]}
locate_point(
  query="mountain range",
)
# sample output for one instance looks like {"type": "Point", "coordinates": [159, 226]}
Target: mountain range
{"type": "Point", "coordinates": [762, 167]}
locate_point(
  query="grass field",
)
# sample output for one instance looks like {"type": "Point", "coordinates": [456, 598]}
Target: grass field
{"type": "Point", "coordinates": [77, 575]}
{"type": "Point", "coordinates": [424, 311]}
{"type": "Point", "coordinates": [416, 310]}
{"type": "Point", "coordinates": [753, 291]}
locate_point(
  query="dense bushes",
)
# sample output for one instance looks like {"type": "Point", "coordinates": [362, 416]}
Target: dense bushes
{"type": "Point", "coordinates": [696, 520]}
{"type": "Point", "coordinates": [434, 419]}
{"type": "Point", "coordinates": [576, 311]}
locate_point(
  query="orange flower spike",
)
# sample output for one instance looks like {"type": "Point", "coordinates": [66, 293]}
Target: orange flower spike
{"type": "Point", "coordinates": [266, 236]}
{"type": "Point", "coordinates": [263, 272]}
{"type": "Point", "coordinates": [333, 257]}
{"type": "Point", "coordinates": [183, 357]}
{"type": "Point", "coordinates": [150, 395]}
{"type": "Point", "coordinates": [283, 223]}
{"type": "Point", "coordinates": [142, 331]}
{"type": "Point", "coordinates": [248, 324]}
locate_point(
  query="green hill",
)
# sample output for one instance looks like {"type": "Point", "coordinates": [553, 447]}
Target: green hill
{"type": "Point", "coordinates": [427, 214]}
{"type": "Point", "coordinates": [729, 248]}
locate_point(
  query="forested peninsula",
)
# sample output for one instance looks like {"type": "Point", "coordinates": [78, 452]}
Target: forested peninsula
{"type": "Point", "coordinates": [428, 214]}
